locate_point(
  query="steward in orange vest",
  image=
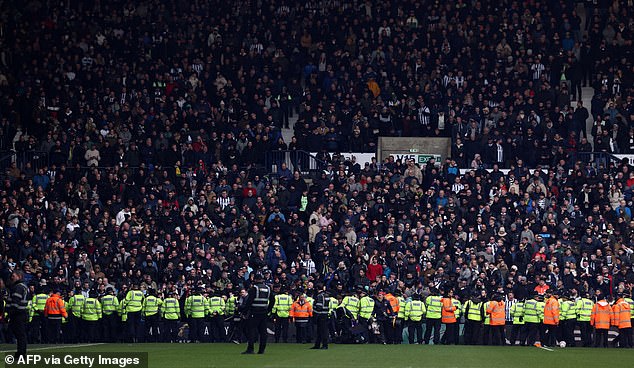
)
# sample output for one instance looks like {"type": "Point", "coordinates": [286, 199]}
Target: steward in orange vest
{"type": "Point", "coordinates": [600, 319]}
{"type": "Point", "coordinates": [551, 319]}
{"type": "Point", "coordinates": [300, 312]}
{"type": "Point", "coordinates": [54, 311]}
{"type": "Point", "coordinates": [497, 315]}
{"type": "Point", "coordinates": [621, 318]}
{"type": "Point", "coordinates": [449, 319]}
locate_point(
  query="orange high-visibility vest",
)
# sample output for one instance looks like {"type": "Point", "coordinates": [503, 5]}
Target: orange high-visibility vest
{"type": "Point", "coordinates": [55, 307]}
{"type": "Point", "coordinates": [393, 302]}
{"type": "Point", "coordinates": [621, 317]}
{"type": "Point", "coordinates": [601, 315]}
{"type": "Point", "coordinates": [448, 309]}
{"type": "Point", "coordinates": [551, 311]}
{"type": "Point", "coordinates": [498, 315]}
{"type": "Point", "coordinates": [300, 311]}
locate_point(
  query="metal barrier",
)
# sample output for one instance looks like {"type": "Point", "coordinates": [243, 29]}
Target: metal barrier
{"type": "Point", "coordinates": [596, 159]}
{"type": "Point", "coordinates": [302, 161]}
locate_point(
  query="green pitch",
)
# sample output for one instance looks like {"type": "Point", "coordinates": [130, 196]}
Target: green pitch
{"type": "Point", "coordinates": [353, 356]}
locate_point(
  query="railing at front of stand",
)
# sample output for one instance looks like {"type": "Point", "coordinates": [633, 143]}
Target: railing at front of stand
{"type": "Point", "coordinates": [302, 161]}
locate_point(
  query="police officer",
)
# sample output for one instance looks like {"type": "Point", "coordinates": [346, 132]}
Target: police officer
{"type": "Point", "coordinates": [231, 310]}
{"type": "Point", "coordinates": [474, 316]}
{"type": "Point", "coordinates": [151, 305]}
{"type": "Point", "coordinates": [91, 315]}
{"type": "Point", "coordinates": [321, 312]}
{"type": "Point", "coordinates": [133, 307]}
{"type": "Point", "coordinates": [257, 306]}
{"type": "Point", "coordinates": [75, 323]}
{"type": "Point", "coordinates": [433, 303]}
{"type": "Point", "coordinates": [568, 319]}
{"type": "Point", "coordinates": [109, 305]}
{"type": "Point", "coordinates": [533, 316]}
{"type": "Point", "coordinates": [351, 303]}
{"type": "Point", "coordinates": [366, 311]}
{"type": "Point", "coordinates": [216, 312]}
{"type": "Point", "coordinates": [16, 306]}
{"type": "Point", "coordinates": [280, 311]}
{"type": "Point", "coordinates": [414, 312]}
{"type": "Point", "coordinates": [171, 314]}
{"type": "Point", "coordinates": [584, 308]}
{"type": "Point", "coordinates": [37, 329]}
{"type": "Point", "coordinates": [122, 322]}
{"type": "Point", "coordinates": [195, 310]}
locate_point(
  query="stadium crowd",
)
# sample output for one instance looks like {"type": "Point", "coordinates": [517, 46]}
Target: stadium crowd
{"type": "Point", "coordinates": [155, 120]}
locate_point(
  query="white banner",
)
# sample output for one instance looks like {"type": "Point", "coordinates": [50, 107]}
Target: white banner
{"type": "Point", "coordinates": [630, 158]}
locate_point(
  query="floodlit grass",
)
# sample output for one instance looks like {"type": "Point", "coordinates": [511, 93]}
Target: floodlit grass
{"type": "Point", "coordinates": [352, 356]}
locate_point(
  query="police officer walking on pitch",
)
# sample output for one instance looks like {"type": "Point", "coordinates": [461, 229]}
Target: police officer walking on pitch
{"type": "Point", "coordinates": [321, 311]}
{"type": "Point", "coordinates": [257, 306]}
{"type": "Point", "coordinates": [17, 304]}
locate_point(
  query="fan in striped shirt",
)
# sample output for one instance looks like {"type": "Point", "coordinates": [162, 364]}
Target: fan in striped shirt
{"type": "Point", "coordinates": [224, 199]}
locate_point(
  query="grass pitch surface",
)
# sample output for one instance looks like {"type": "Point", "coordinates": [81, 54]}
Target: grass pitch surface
{"type": "Point", "coordinates": [353, 356]}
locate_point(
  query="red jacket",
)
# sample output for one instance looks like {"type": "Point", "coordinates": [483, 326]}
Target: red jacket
{"type": "Point", "coordinates": [374, 271]}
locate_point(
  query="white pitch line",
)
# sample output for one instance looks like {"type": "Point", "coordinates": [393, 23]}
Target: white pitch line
{"type": "Point", "coordinates": [56, 347]}
{"type": "Point", "coordinates": [541, 347]}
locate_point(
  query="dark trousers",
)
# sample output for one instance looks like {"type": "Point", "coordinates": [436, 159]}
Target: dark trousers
{"type": "Point", "coordinates": [586, 333]}
{"type": "Point", "coordinates": [601, 337]}
{"type": "Point", "coordinates": [397, 336]}
{"type": "Point", "coordinates": [134, 325]}
{"type": "Point", "coordinates": [450, 334]}
{"type": "Point", "coordinates": [532, 333]}
{"type": "Point", "coordinates": [152, 328]}
{"type": "Point", "coordinates": [217, 324]}
{"type": "Point", "coordinates": [497, 335]}
{"type": "Point", "coordinates": [75, 327]}
{"type": "Point", "coordinates": [301, 333]}
{"type": "Point", "coordinates": [472, 332]}
{"type": "Point", "coordinates": [486, 334]}
{"type": "Point", "coordinates": [322, 331]}
{"type": "Point", "coordinates": [625, 337]}
{"type": "Point", "coordinates": [195, 329]}
{"type": "Point", "coordinates": [91, 331]}
{"type": "Point", "coordinates": [549, 335]}
{"type": "Point", "coordinates": [256, 328]}
{"type": "Point", "coordinates": [53, 329]}
{"type": "Point", "coordinates": [109, 327]}
{"type": "Point", "coordinates": [568, 332]}
{"type": "Point", "coordinates": [281, 329]}
{"type": "Point", "coordinates": [365, 324]}
{"type": "Point", "coordinates": [576, 89]}
{"type": "Point", "coordinates": [17, 326]}
{"type": "Point", "coordinates": [37, 329]}
{"type": "Point", "coordinates": [432, 324]}
{"type": "Point", "coordinates": [384, 335]}
{"type": "Point", "coordinates": [170, 330]}
{"type": "Point", "coordinates": [237, 330]}
{"type": "Point", "coordinates": [415, 329]}
{"type": "Point", "coordinates": [518, 331]}
{"type": "Point", "coordinates": [310, 334]}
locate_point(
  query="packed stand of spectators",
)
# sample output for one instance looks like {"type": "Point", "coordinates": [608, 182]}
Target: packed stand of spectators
{"type": "Point", "coordinates": [154, 116]}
